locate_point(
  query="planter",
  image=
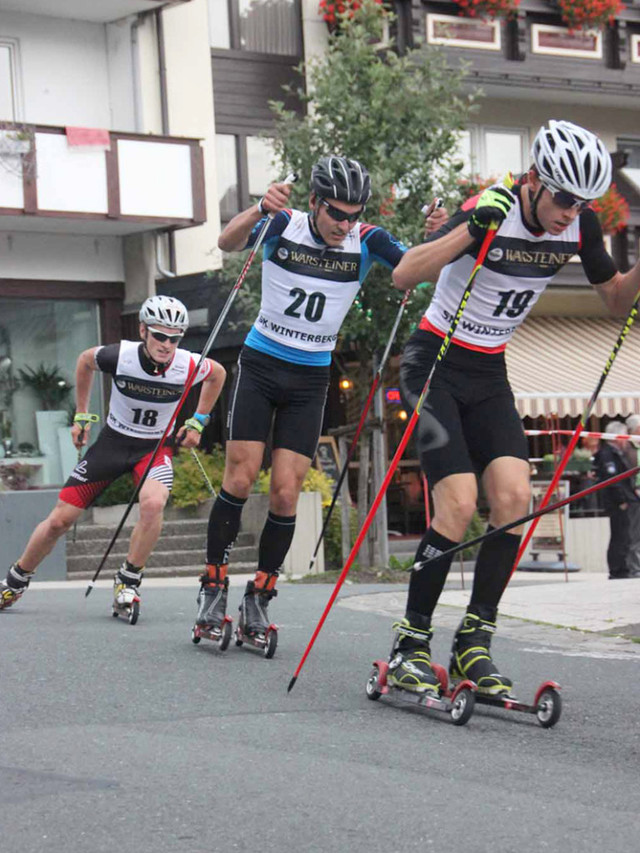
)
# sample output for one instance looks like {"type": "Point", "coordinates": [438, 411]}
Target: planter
{"type": "Point", "coordinates": [47, 424]}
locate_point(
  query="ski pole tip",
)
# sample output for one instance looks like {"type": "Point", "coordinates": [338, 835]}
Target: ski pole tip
{"type": "Point", "coordinates": [291, 683]}
{"type": "Point", "coordinates": [89, 588]}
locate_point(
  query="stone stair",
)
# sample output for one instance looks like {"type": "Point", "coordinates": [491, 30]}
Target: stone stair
{"type": "Point", "coordinates": [179, 551]}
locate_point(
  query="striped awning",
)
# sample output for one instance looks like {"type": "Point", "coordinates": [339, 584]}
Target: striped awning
{"type": "Point", "coordinates": [555, 364]}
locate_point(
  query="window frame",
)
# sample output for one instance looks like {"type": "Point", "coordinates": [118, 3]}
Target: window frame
{"type": "Point", "coordinates": [233, 13]}
{"type": "Point", "coordinates": [13, 47]}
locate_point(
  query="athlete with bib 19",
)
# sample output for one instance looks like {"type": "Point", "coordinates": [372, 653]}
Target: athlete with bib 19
{"type": "Point", "coordinates": [543, 223]}
{"type": "Point", "coordinates": [148, 380]}
{"type": "Point", "coordinates": [313, 265]}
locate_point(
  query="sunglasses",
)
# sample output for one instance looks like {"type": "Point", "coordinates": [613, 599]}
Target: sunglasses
{"type": "Point", "coordinates": [340, 215]}
{"type": "Point", "coordinates": [567, 201]}
{"type": "Point", "coordinates": [162, 338]}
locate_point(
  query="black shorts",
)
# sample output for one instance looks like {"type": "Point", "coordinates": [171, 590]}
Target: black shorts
{"type": "Point", "coordinates": [471, 398]}
{"type": "Point", "coordinates": [269, 390]}
{"type": "Point", "coordinates": [112, 455]}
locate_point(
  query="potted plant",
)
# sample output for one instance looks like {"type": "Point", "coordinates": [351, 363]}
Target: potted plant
{"type": "Point", "coordinates": [612, 210]}
{"type": "Point", "coordinates": [335, 11]}
{"type": "Point", "coordinates": [52, 389]}
{"type": "Point", "coordinates": [589, 14]}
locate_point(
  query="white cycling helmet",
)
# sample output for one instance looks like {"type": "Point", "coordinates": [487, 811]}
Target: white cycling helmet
{"type": "Point", "coordinates": [164, 311]}
{"type": "Point", "coordinates": [568, 157]}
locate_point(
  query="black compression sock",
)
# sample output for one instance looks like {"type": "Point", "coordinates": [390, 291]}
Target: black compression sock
{"type": "Point", "coordinates": [493, 569]}
{"type": "Point", "coordinates": [275, 541]}
{"type": "Point", "coordinates": [427, 583]}
{"type": "Point", "coordinates": [224, 523]}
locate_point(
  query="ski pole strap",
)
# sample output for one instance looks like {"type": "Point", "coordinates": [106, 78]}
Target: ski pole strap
{"type": "Point", "coordinates": [192, 423]}
{"type": "Point", "coordinates": [86, 418]}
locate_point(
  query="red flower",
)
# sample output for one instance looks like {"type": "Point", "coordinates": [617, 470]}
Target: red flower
{"type": "Point", "coordinates": [612, 210]}
{"type": "Point", "coordinates": [487, 8]}
{"type": "Point", "coordinates": [589, 14]}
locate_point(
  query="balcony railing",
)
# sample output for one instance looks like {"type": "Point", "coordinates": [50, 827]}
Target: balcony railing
{"type": "Point", "coordinates": [117, 183]}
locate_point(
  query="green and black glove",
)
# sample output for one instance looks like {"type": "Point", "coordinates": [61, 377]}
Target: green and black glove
{"type": "Point", "coordinates": [492, 208]}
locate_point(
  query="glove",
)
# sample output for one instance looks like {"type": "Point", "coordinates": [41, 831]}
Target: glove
{"type": "Point", "coordinates": [492, 208]}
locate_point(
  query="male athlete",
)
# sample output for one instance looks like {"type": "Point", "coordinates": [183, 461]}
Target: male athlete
{"type": "Point", "coordinates": [148, 380]}
{"type": "Point", "coordinates": [543, 223]}
{"type": "Point", "coordinates": [313, 266]}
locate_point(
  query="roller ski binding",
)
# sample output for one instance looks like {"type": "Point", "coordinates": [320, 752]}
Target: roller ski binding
{"type": "Point", "coordinates": [126, 600]}
{"type": "Point", "coordinates": [410, 676]}
{"type": "Point", "coordinates": [212, 622]}
{"type": "Point", "coordinates": [13, 586]}
{"type": "Point", "coordinates": [471, 659]}
{"type": "Point", "coordinates": [254, 627]}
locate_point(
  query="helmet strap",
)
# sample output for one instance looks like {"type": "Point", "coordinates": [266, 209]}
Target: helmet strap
{"type": "Point", "coordinates": [533, 208]}
{"type": "Point", "coordinates": [159, 367]}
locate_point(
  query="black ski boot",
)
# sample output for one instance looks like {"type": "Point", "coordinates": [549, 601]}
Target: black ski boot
{"type": "Point", "coordinates": [471, 656]}
{"type": "Point", "coordinates": [254, 616]}
{"type": "Point", "coordinates": [212, 597]}
{"type": "Point", "coordinates": [410, 663]}
{"type": "Point", "coordinates": [13, 586]}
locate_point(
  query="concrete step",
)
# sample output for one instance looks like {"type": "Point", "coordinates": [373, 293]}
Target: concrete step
{"type": "Point", "coordinates": [88, 547]}
{"type": "Point", "coordinates": [194, 570]}
{"type": "Point", "coordinates": [191, 557]}
{"type": "Point", "coordinates": [195, 527]}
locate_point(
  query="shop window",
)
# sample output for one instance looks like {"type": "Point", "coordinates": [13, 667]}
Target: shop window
{"type": "Point", "coordinates": [43, 337]}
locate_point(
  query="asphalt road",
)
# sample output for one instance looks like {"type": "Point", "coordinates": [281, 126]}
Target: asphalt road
{"type": "Point", "coordinates": [121, 738]}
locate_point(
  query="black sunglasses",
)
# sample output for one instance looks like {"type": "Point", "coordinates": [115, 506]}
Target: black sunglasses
{"type": "Point", "coordinates": [567, 201]}
{"type": "Point", "coordinates": [340, 215]}
{"type": "Point", "coordinates": [162, 338]}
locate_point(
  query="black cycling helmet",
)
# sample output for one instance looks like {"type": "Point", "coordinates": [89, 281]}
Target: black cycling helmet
{"type": "Point", "coordinates": [341, 179]}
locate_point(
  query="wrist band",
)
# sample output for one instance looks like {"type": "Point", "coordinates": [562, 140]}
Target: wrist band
{"type": "Point", "coordinates": [204, 419]}
{"type": "Point", "coordinates": [192, 423]}
{"type": "Point", "coordinates": [85, 418]}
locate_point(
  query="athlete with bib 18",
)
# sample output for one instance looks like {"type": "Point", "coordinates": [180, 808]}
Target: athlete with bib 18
{"type": "Point", "coordinates": [148, 378]}
{"type": "Point", "coordinates": [314, 263]}
{"type": "Point", "coordinates": [544, 221]}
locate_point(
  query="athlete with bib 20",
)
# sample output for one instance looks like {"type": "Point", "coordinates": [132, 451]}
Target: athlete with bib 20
{"type": "Point", "coordinates": [148, 380]}
{"type": "Point", "coordinates": [313, 266]}
{"type": "Point", "coordinates": [544, 221]}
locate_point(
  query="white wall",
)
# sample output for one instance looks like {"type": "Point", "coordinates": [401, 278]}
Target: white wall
{"type": "Point", "coordinates": [61, 257]}
{"type": "Point", "coordinates": [190, 97]}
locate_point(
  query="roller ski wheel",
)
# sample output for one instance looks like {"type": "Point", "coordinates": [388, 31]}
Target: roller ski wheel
{"type": "Point", "coordinates": [128, 606]}
{"type": "Point", "coordinates": [266, 641]}
{"type": "Point", "coordinates": [458, 703]}
{"type": "Point", "coordinates": [220, 634]}
{"type": "Point", "coordinates": [546, 706]}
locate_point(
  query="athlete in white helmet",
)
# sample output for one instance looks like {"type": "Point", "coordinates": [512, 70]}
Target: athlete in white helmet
{"type": "Point", "coordinates": [544, 220]}
{"type": "Point", "coordinates": [148, 380]}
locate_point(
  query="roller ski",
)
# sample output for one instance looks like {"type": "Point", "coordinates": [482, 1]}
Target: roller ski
{"type": "Point", "coordinates": [254, 627]}
{"type": "Point", "coordinates": [212, 622]}
{"type": "Point", "coordinates": [410, 676]}
{"type": "Point", "coordinates": [471, 659]}
{"type": "Point", "coordinates": [126, 599]}
{"type": "Point", "coordinates": [13, 586]}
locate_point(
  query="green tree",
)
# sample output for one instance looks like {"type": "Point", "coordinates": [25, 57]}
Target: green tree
{"type": "Point", "coordinates": [401, 117]}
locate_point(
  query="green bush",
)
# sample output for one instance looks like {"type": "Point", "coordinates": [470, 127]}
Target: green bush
{"type": "Point", "coordinates": [189, 487]}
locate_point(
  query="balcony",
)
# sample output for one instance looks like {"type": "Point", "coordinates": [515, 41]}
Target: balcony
{"type": "Point", "coordinates": [534, 57]}
{"type": "Point", "coordinates": [96, 11]}
{"type": "Point", "coordinates": [74, 180]}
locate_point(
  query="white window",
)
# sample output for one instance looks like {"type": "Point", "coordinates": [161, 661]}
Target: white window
{"type": "Point", "coordinates": [10, 90]}
{"type": "Point", "coordinates": [491, 152]}
{"type": "Point", "coordinates": [260, 165]}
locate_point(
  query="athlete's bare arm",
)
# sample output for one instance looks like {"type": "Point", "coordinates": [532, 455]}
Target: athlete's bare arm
{"type": "Point", "coordinates": [235, 234]}
{"type": "Point", "coordinates": [209, 393]}
{"type": "Point", "coordinates": [620, 292]}
{"type": "Point", "coordinates": [424, 262]}
{"type": "Point", "coordinates": [85, 367]}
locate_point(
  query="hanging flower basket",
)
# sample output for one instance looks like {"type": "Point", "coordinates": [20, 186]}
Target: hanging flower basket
{"type": "Point", "coordinates": [589, 14]}
{"type": "Point", "coordinates": [333, 11]}
{"type": "Point", "coordinates": [488, 8]}
{"type": "Point", "coordinates": [612, 210]}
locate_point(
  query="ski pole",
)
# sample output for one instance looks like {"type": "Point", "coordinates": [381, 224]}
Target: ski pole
{"type": "Point", "coordinates": [361, 422]}
{"type": "Point", "coordinates": [581, 425]}
{"type": "Point", "coordinates": [489, 534]}
{"type": "Point", "coordinates": [491, 232]}
{"type": "Point", "coordinates": [205, 476]}
{"type": "Point", "coordinates": [190, 379]}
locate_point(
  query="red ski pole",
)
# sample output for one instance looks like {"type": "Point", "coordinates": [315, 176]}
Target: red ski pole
{"type": "Point", "coordinates": [491, 232]}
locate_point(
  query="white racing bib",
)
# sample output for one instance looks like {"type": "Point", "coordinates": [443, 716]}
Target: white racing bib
{"type": "Point", "coordinates": [142, 405]}
{"type": "Point", "coordinates": [307, 288]}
